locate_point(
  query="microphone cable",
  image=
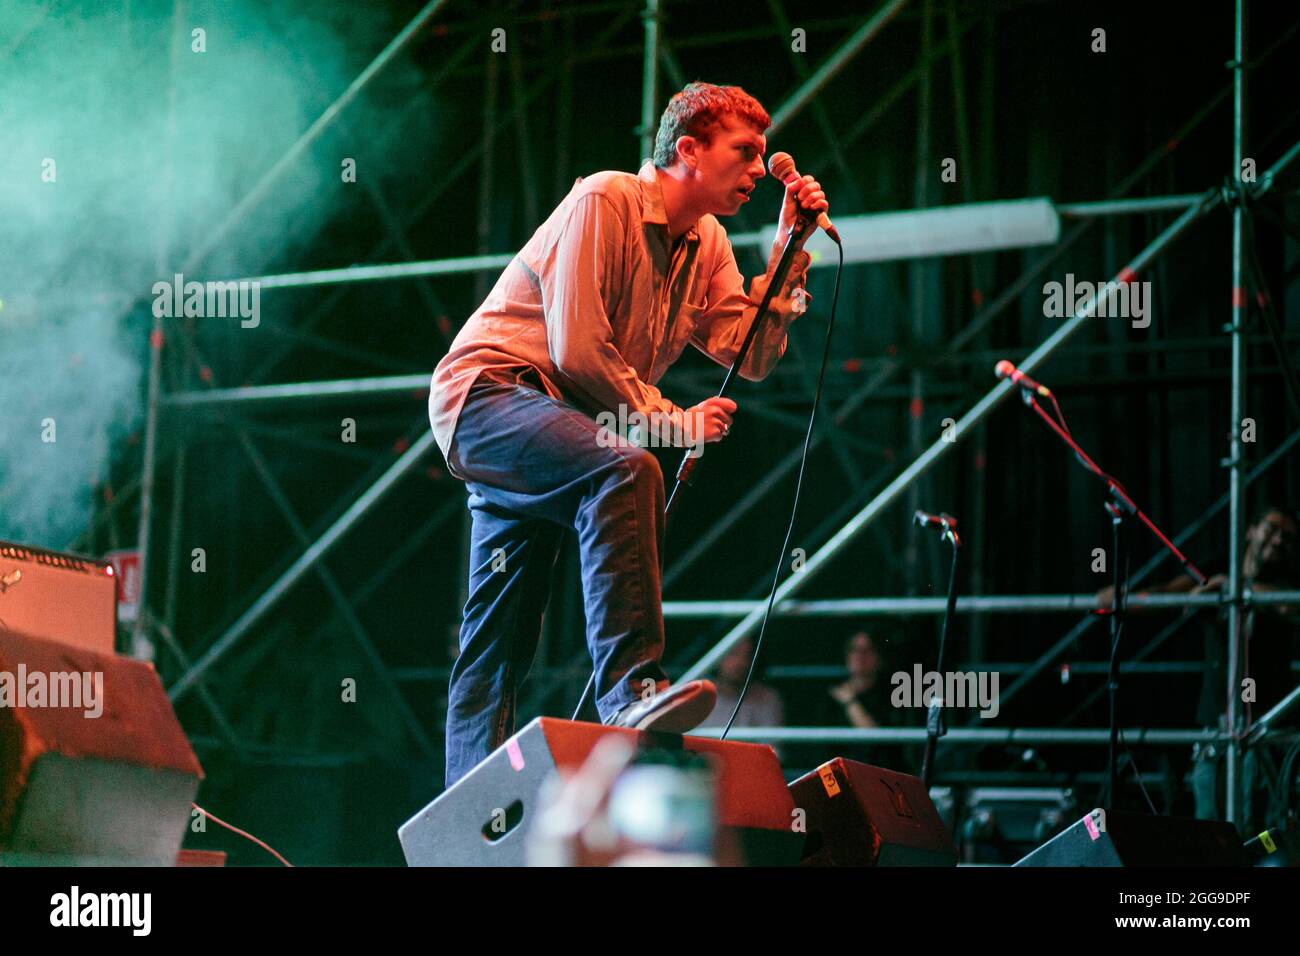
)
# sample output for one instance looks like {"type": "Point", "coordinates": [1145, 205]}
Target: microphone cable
{"type": "Point", "coordinates": [821, 375]}
{"type": "Point", "coordinates": [794, 508]}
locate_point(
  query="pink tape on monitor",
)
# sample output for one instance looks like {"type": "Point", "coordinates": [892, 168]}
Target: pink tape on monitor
{"type": "Point", "coordinates": [1091, 824]}
{"type": "Point", "coordinates": [516, 756]}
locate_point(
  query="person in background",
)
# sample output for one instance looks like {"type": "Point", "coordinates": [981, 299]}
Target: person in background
{"type": "Point", "coordinates": [762, 707]}
{"type": "Point", "coordinates": [1268, 564]}
{"type": "Point", "coordinates": [862, 701]}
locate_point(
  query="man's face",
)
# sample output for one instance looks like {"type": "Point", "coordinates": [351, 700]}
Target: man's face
{"type": "Point", "coordinates": [729, 165]}
{"type": "Point", "coordinates": [1272, 540]}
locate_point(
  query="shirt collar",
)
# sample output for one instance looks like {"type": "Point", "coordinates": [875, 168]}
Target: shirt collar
{"type": "Point", "coordinates": [652, 205]}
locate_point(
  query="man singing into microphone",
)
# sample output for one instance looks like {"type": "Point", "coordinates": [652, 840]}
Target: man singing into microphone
{"type": "Point", "coordinates": [605, 296]}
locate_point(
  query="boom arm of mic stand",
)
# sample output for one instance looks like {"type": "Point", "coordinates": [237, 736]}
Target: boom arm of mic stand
{"type": "Point", "coordinates": [803, 227]}
{"type": "Point", "coordinates": [1116, 490]}
{"type": "Point", "coordinates": [1121, 503]}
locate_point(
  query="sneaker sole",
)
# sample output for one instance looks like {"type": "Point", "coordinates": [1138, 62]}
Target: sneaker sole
{"type": "Point", "coordinates": [683, 714]}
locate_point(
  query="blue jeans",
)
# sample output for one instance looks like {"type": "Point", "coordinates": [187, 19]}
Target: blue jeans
{"type": "Point", "coordinates": [534, 468]}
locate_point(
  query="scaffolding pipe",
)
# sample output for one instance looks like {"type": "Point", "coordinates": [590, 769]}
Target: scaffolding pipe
{"type": "Point", "coordinates": [343, 387]}
{"type": "Point", "coordinates": [1026, 736]}
{"type": "Point", "coordinates": [140, 640]}
{"type": "Point", "coordinates": [1236, 461]}
{"type": "Point", "coordinates": [1127, 207]}
{"type": "Point", "coordinates": [649, 79]}
{"type": "Point", "coordinates": [992, 604]}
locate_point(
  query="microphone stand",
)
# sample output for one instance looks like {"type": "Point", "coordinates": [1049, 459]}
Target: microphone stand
{"type": "Point", "coordinates": [934, 725]}
{"type": "Point", "coordinates": [803, 226]}
{"type": "Point", "coordinates": [1118, 507]}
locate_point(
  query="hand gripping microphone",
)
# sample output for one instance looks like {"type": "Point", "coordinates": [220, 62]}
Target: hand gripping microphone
{"type": "Point", "coordinates": [781, 165]}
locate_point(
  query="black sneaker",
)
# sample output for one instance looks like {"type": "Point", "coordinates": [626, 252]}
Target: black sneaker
{"type": "Point", "coordinates": [674, 710]}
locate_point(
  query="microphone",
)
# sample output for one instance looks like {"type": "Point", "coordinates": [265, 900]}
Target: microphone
{"type": "Point", "coordinates": [1005, 369]}
{"type": "Point", "coordinates": [926, 520]}
{"type": "Point", "coordinates": [946, 522]}
{"type": "Point", "coordinates": [781, 165]}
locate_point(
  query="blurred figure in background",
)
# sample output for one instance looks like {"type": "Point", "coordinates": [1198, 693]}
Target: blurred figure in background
{"type": "Point", "coordinates": [1268, 643]}
{"type": "Point", "coordinates": [762, 706]}
{"type": "Point", "coordinates": [862, 701]}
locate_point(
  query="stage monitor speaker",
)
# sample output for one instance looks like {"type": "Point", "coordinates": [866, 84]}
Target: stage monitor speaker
{"type": "Point", "coordinates": [457, 828]}
{"type": "Point", "coordinates": [93, 763]}
{"type": "Point", "coordinates": [859, 815]}
{"type": "Point", "coordinates": [1120, 838]}
{"type": "Point", "coordinates": [58, 597]}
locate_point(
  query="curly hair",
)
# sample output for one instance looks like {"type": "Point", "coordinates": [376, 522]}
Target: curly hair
{"type": "Point", "coordinates": [697, 111]}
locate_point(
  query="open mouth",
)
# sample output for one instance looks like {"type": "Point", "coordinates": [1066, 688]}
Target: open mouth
{"type": "Point", "coordinates": [745, 191]}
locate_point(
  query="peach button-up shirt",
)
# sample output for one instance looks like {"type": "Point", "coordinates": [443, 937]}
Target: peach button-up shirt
{"type": "Point", "coordinates": [600, 302]}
